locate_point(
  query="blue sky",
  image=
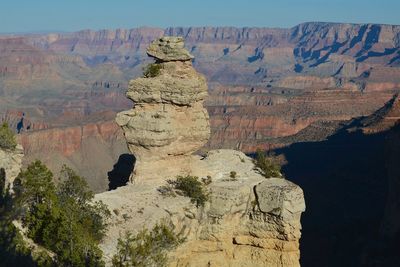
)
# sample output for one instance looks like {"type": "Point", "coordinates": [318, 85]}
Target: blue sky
{"type": "Point", "coordinates": [72, 15]}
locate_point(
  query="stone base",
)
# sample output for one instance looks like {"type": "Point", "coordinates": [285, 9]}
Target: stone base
{"type": "Point", "coordinates": [248, 220]}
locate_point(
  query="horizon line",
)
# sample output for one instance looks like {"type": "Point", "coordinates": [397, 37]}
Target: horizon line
{"type": "Point", "coordinates": [38, 32]}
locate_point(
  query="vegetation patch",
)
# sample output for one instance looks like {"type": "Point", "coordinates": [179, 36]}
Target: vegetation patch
{"type": "Point", "coordinates": [13, 249]}
{"type": "Point", "coordinates": [191, 187]}
{"type": "Point", "coordinates": [146, 248]}
{"type": "Point", "coordinates": [152, 70]}
{"type": "Point", "coordinates": [63, 219]}
{"type": "Point", "coordinates": [232, 177]}
{"type": "Point", "coordinates": [207, 180]}
{"type": "Point", "coordinates": [7, 137]}
{"type": "Point", "coordinates": [267, 166]}
{"type": "Point", "coordinates": [167, 190]}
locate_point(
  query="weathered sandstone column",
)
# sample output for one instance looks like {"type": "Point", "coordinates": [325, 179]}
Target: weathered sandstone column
{"type": "Point", "coordinates": [168, 121]}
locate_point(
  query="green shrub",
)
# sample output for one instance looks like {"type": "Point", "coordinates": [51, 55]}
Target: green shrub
{"type": "Point", "coordinates": [152, 70]}
{"type": "Point", "coordinates": [233, 175]}
{"type": "Point", "coordinates": [146, 248]}
{"type": "Point", "coordinates": [190, 186]}
{"type": "Point", "coordinates": [63, 219]}
{"type": "Point", "coordinates": [267, 166]}
{"type": "Point", "coordinates": [7, 137]}
{"type": "Point", "coordinates": [13, 249]}
{"type": "Point", "coordinates": [166, 191]}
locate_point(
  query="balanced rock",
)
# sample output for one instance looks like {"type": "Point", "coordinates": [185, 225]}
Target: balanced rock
{"type": "Point", "coordinates": [169, 48]}
{"type": "Point", "coordinates": [168, 120]}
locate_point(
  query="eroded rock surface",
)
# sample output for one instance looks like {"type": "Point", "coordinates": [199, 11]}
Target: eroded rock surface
{"type": "Point", "coordinates": [169, 48]}
{"type": "Point", "coordinates": [11, 161]}
{"type": "Point", "coordinates": [168, 118]}
{"type": "Point", "coordinates": [247, 221]}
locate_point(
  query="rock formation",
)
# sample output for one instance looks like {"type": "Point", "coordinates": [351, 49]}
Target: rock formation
{"type": "Point", "coordinates": [11, 162]}
{"type": "Point", "coordinates": [168, 118]}
{"type": "Point", "coordinates": [248, 221]}
{"type": "Point", "coordinates": [251, 221]}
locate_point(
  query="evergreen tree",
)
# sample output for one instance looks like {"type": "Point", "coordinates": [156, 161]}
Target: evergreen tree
{"type": "Point", "coordinates": [13, 251]}
{"type": "Point", "coordinates": [36, 194]}
{"type": "Point", "coordinates": [7, 137]}
{"type": "Point", "coordinates": [63, 219]}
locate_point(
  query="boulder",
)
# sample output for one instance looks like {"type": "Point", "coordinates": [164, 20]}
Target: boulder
{"type": "Point", "coordinates": [169, 48]}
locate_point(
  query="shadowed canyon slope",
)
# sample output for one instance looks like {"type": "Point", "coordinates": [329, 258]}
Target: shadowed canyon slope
{"type": "Point", "coordinates": [349, 176]}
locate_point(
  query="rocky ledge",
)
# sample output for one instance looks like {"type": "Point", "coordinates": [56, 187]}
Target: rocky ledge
{"type": "Point", "coordinates": [248, 220]}
{"type": "Point", "coordinates": [11, 162]}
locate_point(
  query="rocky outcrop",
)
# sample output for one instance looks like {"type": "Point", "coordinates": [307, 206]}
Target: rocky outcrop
{"type": "Point", "coordinates": [169, 49]}
{"type": "Point", "coordinates": [11, 162]}
{"type": "Point", "coordinates": [168, 118]}
{"type": "Point", "coordinates": [248, 220]}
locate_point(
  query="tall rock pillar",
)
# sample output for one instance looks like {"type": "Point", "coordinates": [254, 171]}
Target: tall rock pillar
{"type": "Point", "coordinates": [168, 121]}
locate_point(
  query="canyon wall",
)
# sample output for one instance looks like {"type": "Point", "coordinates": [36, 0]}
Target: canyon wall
{"type": "Point", "coordinates": [91, 150]}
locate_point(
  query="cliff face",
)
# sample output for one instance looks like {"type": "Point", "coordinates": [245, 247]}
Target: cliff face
{"type": "Point", "coordinates": [347, 54]}
{"type": "Point", "coordinates": [251, 117]}
{"type": "Point", "coordinates": [80, 147]}
{"type": "Point", "coordinates": [11, 162]}
{"type": "Point", "coordinates": [248, 220]}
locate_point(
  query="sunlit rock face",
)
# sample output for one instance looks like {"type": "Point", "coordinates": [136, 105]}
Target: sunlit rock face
{"type": "Point", "coordinates": [168, 119]}
{"type": "Point", "coordinates": [11, 162]}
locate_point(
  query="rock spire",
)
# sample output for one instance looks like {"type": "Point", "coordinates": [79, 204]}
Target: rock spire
{"type": "Point", "coordinates": [168, 121]}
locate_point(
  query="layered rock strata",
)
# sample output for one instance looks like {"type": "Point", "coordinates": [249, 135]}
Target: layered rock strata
{"type": "Point", "coordinates": [168, 119]}
{"type": "Point", "coordinates": [247, 221]}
